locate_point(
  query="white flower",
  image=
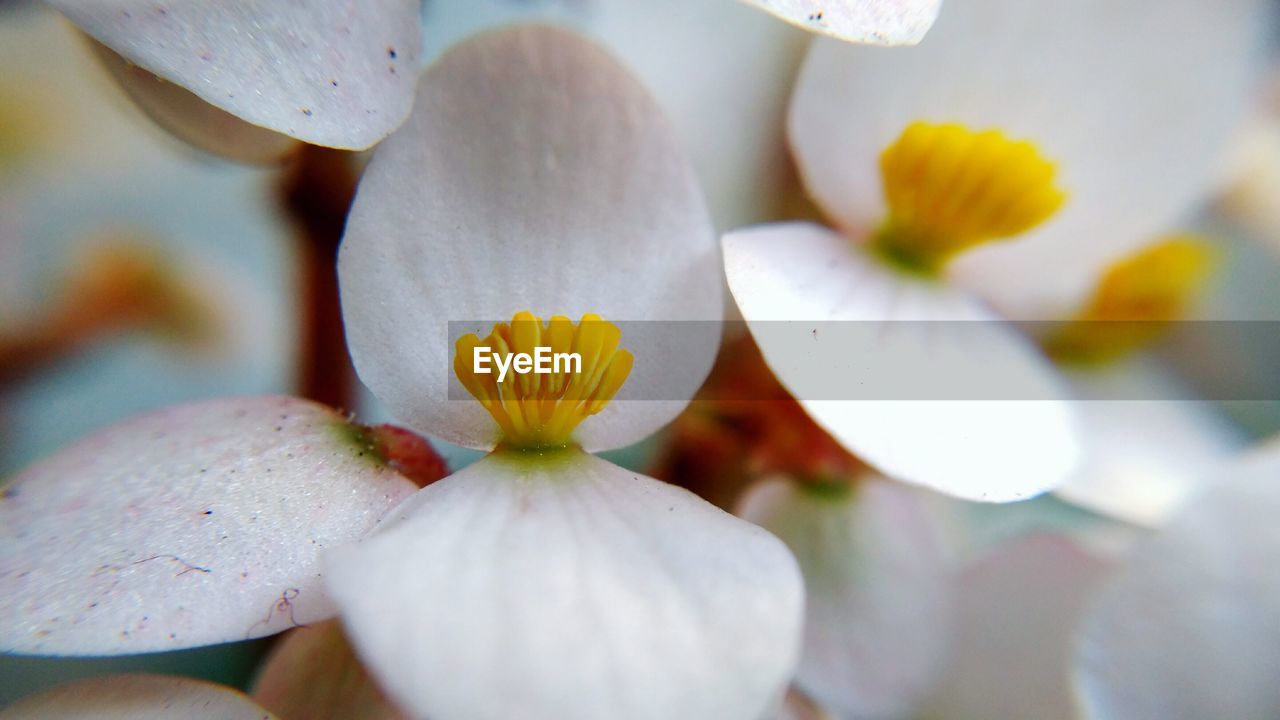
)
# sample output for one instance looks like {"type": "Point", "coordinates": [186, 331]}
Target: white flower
{"type": "Point", "coordinates": [1136, 106]}
{"type": "Point", "coordinates": [1188, 626]}
{"type": "Point", "coordinates": [339, 73]}
{"type": "Point", "coordinates": [537, 176]}
{"type": "Point", "coordinates": [539, 582]}
{"type": "Point", "coordinates": [919, 156]}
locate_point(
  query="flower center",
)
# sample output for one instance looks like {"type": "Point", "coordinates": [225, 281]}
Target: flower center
{"type": "Point", "coordinates": [1134, 301]}
{"type": "Point", "coordinates": [949, 189]}
{"type": "Point", "coordinates": [540, 381]}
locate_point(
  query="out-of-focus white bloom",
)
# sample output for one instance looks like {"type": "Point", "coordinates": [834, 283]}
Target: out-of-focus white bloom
{"type": "Point", "coordinates": [1188, 626]}
{"type": "Point", "coordinates": [878, 595]}
{"type": "Point", "coordinates": [1017, 609]}
{"type": "Point", "coordinates": [137, 697]}
{"type": "Point", "coordinates": [875, 22]}
{"type": "Point", "coordinates": [1147, 447]}
{"type": "Point", "coordinates": [1137, 105]}
{"type": "Point", "coordinates": [339, 73]}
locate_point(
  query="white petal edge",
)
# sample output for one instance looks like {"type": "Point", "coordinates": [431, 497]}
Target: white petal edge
{"type": "Point", "coordinates": [1155, 97]}
{"type": "Point", "coordinates": [339, 73]}
{"type": "Point", "coordinates": [1143, 458]}
{"type": "Point", "coordinates": [877, 592]}
{"type": "Point", "coordinates": [192, 120]}
{"type": "Point", "coordinates": [137, 697]}
{"type": "Point", "coordinates": [567, 588]}
{"type": "Point", "coordinates": [535, 174]}
{"type": "Point", "coordinates": [873, 22]}
{"type": "Point", "coordinates": [189, 526]}
{"type": "Point", "coordinates": [1017, 610]}
{"type": "Point", "coordinates": [879, 330]}
{"type": "Point", "coordinates": [1187, 628]}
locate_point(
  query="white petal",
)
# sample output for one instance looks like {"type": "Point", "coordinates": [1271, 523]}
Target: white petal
{"type": "Point", "coordinates": [534, 175]}
{"type": "Point", "coordinates": [729, 114]}
{"type": "Point", "coordinates": [137, 697]}
{"type": "Point", "coordinates": [877, 614]}
{"type": "Point", "coordinates": [193, 120]}
{"type": "Point", "coordinates": [1017, 610]}
{"type": "Point", "coordinates": [876, 22]}
{"type": "Point", "coordinates": [190, 526]}
{"type": "Point", "coordinates": [339, 73]}
{"type": "Point", "coordinates": [834, 324]}
{"type": "Point", "coordinates": [1135, 103]}
{"type": "Point", "coordinates": [1143, 458]}
{"type": "Point", "coordinates": [313, 673]}
{"type": "Point", "coordinates": [567, 588]}
{"type": "Point", "coordinates": [1188, 629]}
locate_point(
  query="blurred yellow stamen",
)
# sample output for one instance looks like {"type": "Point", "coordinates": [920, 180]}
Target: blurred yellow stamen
{"type": "Point", "coordinates": [541, 409]}
{"type": "Point", "coordinates": [1134, 300]}
{"type": "Point", "coordinates": [949, 189]}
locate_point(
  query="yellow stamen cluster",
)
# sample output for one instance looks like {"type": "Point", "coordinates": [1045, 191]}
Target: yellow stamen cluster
{"type": "Point", "coordinates": [1134, 300]}
{"type": "Point", "coordinates": [542, 409]}
{"type": "Point", "coordinates": [949, 189]}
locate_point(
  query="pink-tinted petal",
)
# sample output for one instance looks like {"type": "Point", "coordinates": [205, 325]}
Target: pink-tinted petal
{"type": "Point", "coordinates": [877, 612]}
{"type": "Point", "coordinates": [193, 525]}
{"type": "Point", "coordinates": [1017, 609]}
{"type": "Point", "coordinates": [329, 72]}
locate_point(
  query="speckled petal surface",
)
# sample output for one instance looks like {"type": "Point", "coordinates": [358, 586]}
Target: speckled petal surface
{"type": "Point", "coordinates": [874, 22]}
{"type": "Point", "coordinates": [137, 697]}
{"type": "Point", "coordinates": [339, 73]}
{"type": "Point", "coordinates": [878, 600]}
{"type": "Point", "coordinates": [564, 587]}
{"type": "Point", "coordinates": [535, 174]}
{"type": "Point", "coordinates": [194, 525]}
{"type": "Point", "coordinates": [1188, 627]}
{"type": "Point", "coordinates": [916, 377]}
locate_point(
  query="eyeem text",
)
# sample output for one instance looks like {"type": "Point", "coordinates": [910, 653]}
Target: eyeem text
{"type": "Point", "coordinates": [541, 362]}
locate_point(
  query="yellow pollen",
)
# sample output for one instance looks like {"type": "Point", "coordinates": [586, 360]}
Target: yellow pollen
{"type": "Point", "coordinates": [949, 189]}
{"type": "Point", "coordinates": [538, 409]}
{"type": "Point", "coordinates": [1134, 300]}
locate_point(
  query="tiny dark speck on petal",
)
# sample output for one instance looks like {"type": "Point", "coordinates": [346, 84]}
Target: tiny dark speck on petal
{"type": "Point", "coordinates": [391, 53]}
{"type": "Point", "coordinates": [333, 83]}
{"type": "Point", "coordinates": [208, 512]}
{"type": "Point", "coordinates": [307, 112]}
